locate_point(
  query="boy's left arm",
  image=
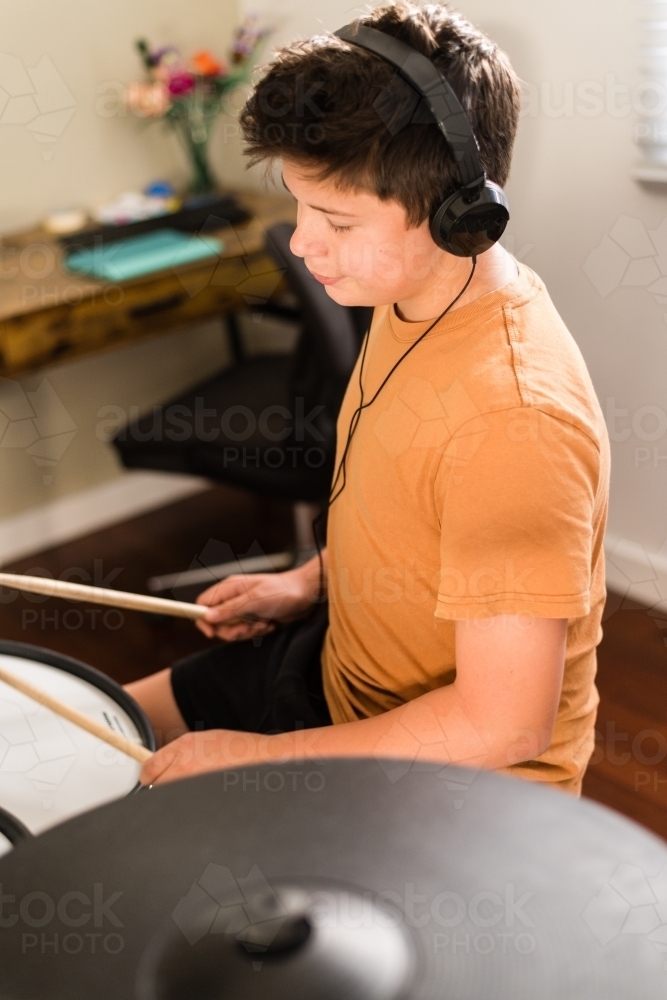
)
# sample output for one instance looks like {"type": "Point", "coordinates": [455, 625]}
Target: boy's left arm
{"type": "Point", "coordinates": [500, 710]}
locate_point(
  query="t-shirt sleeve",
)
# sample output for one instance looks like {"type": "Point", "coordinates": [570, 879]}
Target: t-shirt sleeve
{"type": "Point", "coordinates": [515, 493]}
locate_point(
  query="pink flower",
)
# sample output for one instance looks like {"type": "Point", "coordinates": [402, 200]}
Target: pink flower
{"type": "Point", "coordinates": [180, 82]}
{"type": "Point", "coordinates": [147, 100]}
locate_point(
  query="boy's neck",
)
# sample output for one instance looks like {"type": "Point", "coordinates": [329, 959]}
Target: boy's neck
{"type": "Point", "coordinates": [494, 269]}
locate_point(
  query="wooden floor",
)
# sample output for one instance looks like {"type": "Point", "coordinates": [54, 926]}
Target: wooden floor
{"type": "Point", "coordinates": [213, 526]}
{"type": "Point", "coordinates": [629, 768]}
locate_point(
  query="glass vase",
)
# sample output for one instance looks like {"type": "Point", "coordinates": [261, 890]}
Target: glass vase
{"type": "Point", "coordinates": [194, 131]}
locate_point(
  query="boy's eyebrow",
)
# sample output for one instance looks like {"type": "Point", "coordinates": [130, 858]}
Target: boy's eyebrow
{"type": "Point", "coordinates": [327, 211]}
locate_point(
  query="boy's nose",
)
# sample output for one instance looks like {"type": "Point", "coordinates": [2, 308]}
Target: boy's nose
{"type": "Point", "coordinates": [305, 243]}
{"type": "Point", "coordinates": [295, 243]}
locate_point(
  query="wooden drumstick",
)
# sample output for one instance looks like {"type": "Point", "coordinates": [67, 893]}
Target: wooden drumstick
{"type": "Point", "coordinates": [139, 753]}
{"type": "Point", "coordinates": [100, 595]}
{"type": "Point", "coordinates": [115, 598]}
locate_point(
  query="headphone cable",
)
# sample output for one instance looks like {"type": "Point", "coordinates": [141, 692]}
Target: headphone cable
{"type": "Point", "coordinates": [356, 416]}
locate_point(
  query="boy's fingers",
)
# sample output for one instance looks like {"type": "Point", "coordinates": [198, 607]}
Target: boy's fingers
{"type": "Point", "coordinates": [239, 632]}
{"type": "Point", "coordinates": [204, 627]}
{"type": "Point", "coordinates": [223, 591]}
{"type": "Point", "coordinates": [234, 607]}
{"type": "Point", "coordinates": [211, 595]}
{"type": "Point", "coordinates": [158, 763]}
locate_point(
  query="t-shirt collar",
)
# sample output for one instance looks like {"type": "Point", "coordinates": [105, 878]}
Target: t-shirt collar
{"type": "Point", "coordinates": [474, 311]}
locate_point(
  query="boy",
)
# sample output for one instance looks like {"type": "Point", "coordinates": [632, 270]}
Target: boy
{"type": "Point", "coordinates": [464, 567]}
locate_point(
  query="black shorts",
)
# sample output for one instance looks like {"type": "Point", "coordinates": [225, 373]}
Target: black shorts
{"type": "Point", "coordinates": [267, 685]}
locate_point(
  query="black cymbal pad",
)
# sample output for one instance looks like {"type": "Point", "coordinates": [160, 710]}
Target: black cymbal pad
{"type": "Point", "coordinates": [357, 879]}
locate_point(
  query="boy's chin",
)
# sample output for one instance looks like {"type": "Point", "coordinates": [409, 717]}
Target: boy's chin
{"type": "Point", "coordinates": [349, 294]}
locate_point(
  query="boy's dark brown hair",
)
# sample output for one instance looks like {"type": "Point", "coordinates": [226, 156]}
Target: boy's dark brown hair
{"type": "Point", "coordinates": [344, 113]}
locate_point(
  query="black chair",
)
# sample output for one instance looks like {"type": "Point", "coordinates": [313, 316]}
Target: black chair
{"type": "Point", "coordinates": [268, 423]}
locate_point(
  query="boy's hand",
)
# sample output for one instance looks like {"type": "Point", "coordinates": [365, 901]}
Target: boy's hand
{"type": "Point", "coordinates": [243, 607]}
{"type": "Point", "coordinates": [210, 750]}
{"type": "Point", "coordinates": [194, 753]}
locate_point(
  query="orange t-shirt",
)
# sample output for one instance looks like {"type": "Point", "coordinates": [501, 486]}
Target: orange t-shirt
{"type": "Point", "coordinates": [477, 484]}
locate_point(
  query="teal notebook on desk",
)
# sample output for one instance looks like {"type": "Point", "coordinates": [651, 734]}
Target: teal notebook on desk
{"type": "Point", "coordinates": [137, 255]}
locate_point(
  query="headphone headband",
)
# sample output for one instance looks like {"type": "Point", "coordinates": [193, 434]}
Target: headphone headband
{"type": "Point", "coordinates": [469, 220]}
{"type": "Point", "coordinates": [421, 74]}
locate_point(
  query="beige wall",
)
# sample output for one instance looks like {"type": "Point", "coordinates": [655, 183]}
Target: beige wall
{"type": "Point", "coordinates": [583, 223]}
{"type": "Point", "coordinates": [571, 187]}
{"type": "Point", "coordinates": [94, 155]}
{"type": "Point", "coordinates": [98, 151]}
{"type": "Point", "coordinates": [140, 375]}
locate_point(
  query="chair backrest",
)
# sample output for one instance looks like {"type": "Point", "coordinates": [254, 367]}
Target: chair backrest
{"type": "Point", "coordinates": [334, 331]}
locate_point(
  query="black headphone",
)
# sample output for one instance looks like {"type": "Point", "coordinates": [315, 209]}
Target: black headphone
{"type": "Point", "coordinates": [472, 218]}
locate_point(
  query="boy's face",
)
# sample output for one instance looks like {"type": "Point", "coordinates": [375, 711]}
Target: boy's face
{"type": "Point", "coordinates": [359, 242]}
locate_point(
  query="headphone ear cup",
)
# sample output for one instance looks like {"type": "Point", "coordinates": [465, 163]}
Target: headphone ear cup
{"type": "Point", "coordinates": [467, 228]}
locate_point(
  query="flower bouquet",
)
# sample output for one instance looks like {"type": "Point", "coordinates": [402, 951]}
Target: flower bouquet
{"type": "Point", "coordinates": [189, 94]}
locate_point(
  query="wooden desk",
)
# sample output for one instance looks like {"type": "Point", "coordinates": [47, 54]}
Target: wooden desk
{"type": "Point", "coordinates": [48, 314]}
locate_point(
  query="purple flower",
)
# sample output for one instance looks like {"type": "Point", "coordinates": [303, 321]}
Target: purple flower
{"type": "Point", "coordinates": [159, 54]}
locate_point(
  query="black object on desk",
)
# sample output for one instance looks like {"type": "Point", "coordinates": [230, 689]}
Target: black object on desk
{"type": "Point", "coordinates": [199, 214]}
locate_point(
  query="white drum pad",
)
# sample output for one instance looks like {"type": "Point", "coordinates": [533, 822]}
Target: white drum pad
{"type": "Point", "coordinates": [51, 769]}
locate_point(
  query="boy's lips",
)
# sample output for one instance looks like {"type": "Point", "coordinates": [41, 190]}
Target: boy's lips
{"type": "Point", "coordinates": [324, 279]}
